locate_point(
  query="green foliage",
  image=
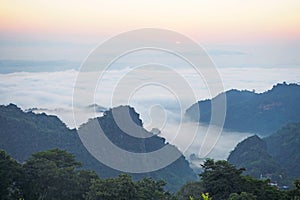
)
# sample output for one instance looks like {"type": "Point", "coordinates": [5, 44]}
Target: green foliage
{"type": "Point", "coordinates": [297, 184]}
{"type": "Point", "coordinates": [10, 177]}
{"type": "Point", "coordinates": [294, 194]}
{"type": "Point", "coordinates": [60, 158]}
{"type": "Point", "coordinates": [268, 158]}
{"type": "Point", "coordinates": [191, 188]}
{"type": "Point", "coordinates": [123, 188]}
{"type": "Point", "coordinates": [252, 153]}
{"type": "Point", "coordinates": [242, 196]}
{"type": "Point", "coordinates": [52, 175]}
{"type": "Point", "coordinates": [205, 196]}
{"type": "Point", "coordinates": [286, 141]}
{"type": "Point", "coordinates": [147, 188]}
{"type": "Point", "coordinates": [55, 175]}
{"type": "Point", "coordinates": [120, 188]}
{"type": "Point", "coordinates": [262, 189]}
{"type": "Point", "coordinates": [220, 178]}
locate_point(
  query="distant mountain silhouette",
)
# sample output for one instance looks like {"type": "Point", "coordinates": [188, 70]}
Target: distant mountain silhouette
{"type": "Point", "coordinates": [11, 66]}
{"type": "Point", "coordinates": [276, 157]}
{"type": "Point", "coordinates": [248, 111]}
{"type": "Point", "coordinates": [23, 134]}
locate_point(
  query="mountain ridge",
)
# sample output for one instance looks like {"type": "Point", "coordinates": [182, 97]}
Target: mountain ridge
{"type": "Point", "coordinates": [23, 134]}
{"type": "Point", "coordinates": [276, 157]}
{"type": "Point", "coordinates": [259, 113]}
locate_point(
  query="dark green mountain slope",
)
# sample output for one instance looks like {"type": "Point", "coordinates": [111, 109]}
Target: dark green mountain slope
{"type": "Point", "coordinates": [252, 153]}
{"type": "Point", "coordinates": [276, 157]}
{"type": "Point", "coordinates": [251, 112]}
{"type": "Point", "coordinates": [23, 134]}
{"type": "Point", "coordinates": [284, 146]}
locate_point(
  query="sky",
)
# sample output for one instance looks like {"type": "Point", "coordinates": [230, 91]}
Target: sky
{"type": "Point", "coordinates": [234, 31]}
{"type": "Point", "coordinates": [253, 44]}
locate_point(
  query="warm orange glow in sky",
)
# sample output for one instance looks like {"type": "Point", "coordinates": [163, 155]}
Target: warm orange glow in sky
{"type": "Point", "coordinates": [208, 19]}
{"type": "Point", "coordinates": [267, 32]}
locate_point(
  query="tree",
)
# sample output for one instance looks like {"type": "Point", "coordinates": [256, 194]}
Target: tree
{"type": "Point", "coordinates": [295, 192]}
{"type": "Point", "coordinates": [192, 188]}
{"type": "Point", "coordinates": [149, 189]}
{"type": "Point", "coordinates": [85, 178]}
{"type": "Point", "coordinates": [123, 188]}
{"type": "Point", "coordinates": [120, 188]}
{"type": "Point", "coordinates": [242, 196]}
{"type": "Point", "coordinates": [52, 175]}
{"type": "Point", "coordinates": [297, 184]}
{"type": "Point", "coordinates": [262, 189]}
{"type": "Point", "coordinates": [220, 178]}
{"type": "Point", "coordinates": [10, 175]}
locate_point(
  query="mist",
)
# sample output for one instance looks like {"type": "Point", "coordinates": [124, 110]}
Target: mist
{"type": "Point", "coordinates": [52, 93]}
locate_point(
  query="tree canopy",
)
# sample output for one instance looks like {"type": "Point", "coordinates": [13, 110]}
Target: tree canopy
{"type": "Point", "coordinates": [56, 175]}
{"type": "Point", "coordinates": [10, 176]}
{"type": "Point", "coordinates": [221, 180]}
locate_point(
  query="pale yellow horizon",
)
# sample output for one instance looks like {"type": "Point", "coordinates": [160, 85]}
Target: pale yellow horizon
{"type": "Point", "coordinates": [211, 20]}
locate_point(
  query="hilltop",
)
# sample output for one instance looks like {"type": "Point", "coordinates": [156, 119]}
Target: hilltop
{"type": "Point", "coordinates": [276, 157]}
{"type": "Point", "coordinates": [24, 133]}
{"type": "Point", "coordinates": [247, 111]}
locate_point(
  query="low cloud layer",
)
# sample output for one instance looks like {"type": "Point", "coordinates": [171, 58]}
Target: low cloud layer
{"type": "Point", "coordinates": [52, 93]}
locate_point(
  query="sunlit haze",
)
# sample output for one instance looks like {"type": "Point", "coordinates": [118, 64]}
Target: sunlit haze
{"type": "Point", "coordinates": [254, 45]}
{"type": "Point", "coordinates": [68, 30]}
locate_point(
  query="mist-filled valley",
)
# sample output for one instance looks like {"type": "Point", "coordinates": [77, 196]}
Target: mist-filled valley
{"type": "Point", "coordinates": [51, 93]}
{"type": "Point", "coordinates": [150, 100]}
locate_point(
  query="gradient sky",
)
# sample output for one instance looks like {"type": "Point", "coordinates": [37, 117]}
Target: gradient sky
{"type": "Point", "coordinates": [246, 39]}
{"type": "Point", "coordinates": [50, 30]}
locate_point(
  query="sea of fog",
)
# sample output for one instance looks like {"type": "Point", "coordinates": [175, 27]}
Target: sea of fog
{"type": "Point", "coordinates": [160, 105]}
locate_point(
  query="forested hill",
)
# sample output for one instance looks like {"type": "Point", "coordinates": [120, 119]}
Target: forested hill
{"type": "Point", "coordinates": [276, 157]}
{"type": "Point", "coordinates": [23, 134]}
{"type": "Point", "coordinates": [248, 111]}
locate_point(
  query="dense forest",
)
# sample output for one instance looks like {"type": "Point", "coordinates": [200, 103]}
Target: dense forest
{"type": "Point", "coordinates": [42, 159]}
{"type": "Point", "coordinates": [25, 133]}
{"type": "Point", "coordinates": [56, 175]}
{"type": "Point", "coordinates": [276, 157]}
{"type": "Point", "coordinates": [248, 111]}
